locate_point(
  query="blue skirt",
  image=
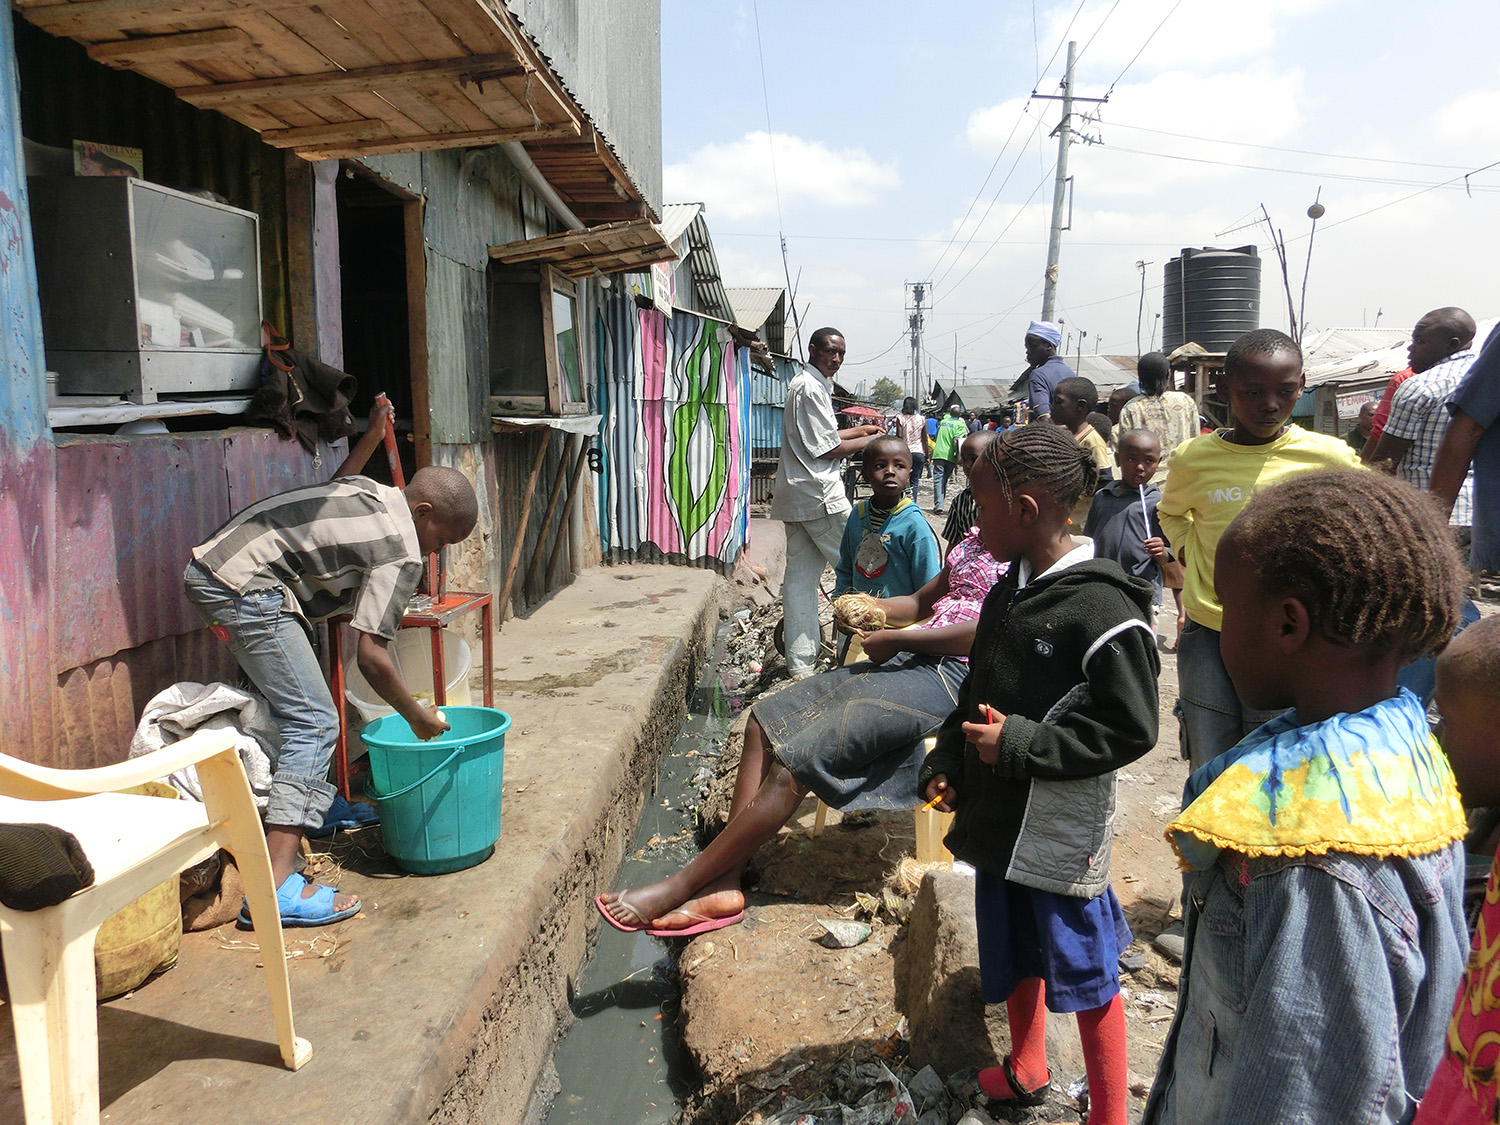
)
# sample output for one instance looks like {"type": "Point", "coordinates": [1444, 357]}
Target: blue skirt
{"type": "Point", "coordinates": [853, 736]}
{"type": "Point", "coordinates": [1073, 944]}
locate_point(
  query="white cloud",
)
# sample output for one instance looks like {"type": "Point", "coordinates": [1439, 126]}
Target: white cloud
{"type": "Point", "coordinates": [1235, 30]}
{"type": "Point", "coordinates": [735, 179]}
{"type": "Point", "coordinates": [1471, 118]}
{"type": "Point", "coordinates": [1256, 107]}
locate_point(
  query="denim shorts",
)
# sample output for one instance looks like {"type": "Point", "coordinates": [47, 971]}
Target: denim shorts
{"type": "Point", "coordinates": [853, 736]}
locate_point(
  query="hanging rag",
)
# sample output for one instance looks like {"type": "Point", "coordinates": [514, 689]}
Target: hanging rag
{"type": "Point", "coordinates": [299, 396]}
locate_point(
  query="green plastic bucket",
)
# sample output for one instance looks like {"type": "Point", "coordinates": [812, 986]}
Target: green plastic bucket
{"type": "Point", "coordinates": [439, 801]}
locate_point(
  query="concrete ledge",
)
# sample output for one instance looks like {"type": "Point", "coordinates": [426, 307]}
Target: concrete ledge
{"type": "Point", "coordinates": [443, 1002]}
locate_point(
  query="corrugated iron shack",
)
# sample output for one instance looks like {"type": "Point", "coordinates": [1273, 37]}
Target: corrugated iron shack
{"type": "Point", "coordinates": [441, 190]}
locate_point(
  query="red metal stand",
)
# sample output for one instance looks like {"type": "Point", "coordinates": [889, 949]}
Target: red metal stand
{"type": "Point", "coordinates": [440, 610]}
{"type": "Point", "coordinates": [436, 617]}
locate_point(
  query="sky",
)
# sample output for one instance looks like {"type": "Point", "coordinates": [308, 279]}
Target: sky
{"type": "Point", "coordinates": [895, 143]}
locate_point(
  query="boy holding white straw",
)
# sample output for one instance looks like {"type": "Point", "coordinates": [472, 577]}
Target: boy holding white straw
{"type": "Point", "coordinates": [1122, 519]}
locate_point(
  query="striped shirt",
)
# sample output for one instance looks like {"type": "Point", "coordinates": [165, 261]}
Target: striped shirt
{"type": "Point", "coordinates": [345, 546]}
{"type": "Point", "coordinates": [963, 514]}
{"type": "Point", "coordinates": [1419, 413]}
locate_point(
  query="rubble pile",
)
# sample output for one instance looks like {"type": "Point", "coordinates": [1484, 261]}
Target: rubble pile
{"type": "Point", "coordinates": [867, 1091]}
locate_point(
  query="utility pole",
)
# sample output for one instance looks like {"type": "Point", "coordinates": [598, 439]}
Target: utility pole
{"type": "Point", "coordinates": [916, 293]}
{"type": "Point", "coordinates": [1064, 132]}
{"type": "Point", "coordinates": [1141, 309]}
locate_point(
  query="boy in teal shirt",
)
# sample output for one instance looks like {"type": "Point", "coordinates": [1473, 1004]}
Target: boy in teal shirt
{"type": "Point", "coordinates": [888, 550]}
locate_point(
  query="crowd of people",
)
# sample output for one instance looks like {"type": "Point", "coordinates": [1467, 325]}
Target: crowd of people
{"type": "Point", "coordinates": [1322, 830]}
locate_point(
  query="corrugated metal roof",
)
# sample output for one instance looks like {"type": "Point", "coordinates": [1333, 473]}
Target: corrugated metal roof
{"type": "Point", "coordinates": [752, 304]}
{"type": "Point", "coordinates": [677, 217]}
{"type": "Point", "coordinates": [703, 264]}
{"type": "Point", "coordinates": [1329, 344]}
{"type": "Point", "coordinates": [1377, 361]}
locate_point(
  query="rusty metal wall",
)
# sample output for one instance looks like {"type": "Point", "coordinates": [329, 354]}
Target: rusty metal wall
{"type": "Point", "coordinates": [128, 512]}
{"type": "Point", "coordinates": [26, 512]}
{"type": "Point", "coordinates": [66, 96]}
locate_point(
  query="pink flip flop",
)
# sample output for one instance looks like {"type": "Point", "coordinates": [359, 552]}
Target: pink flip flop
{"type": "Point", "coordinates": [707, 925]}
{"type": "Point", "coordinates": [601, 905]}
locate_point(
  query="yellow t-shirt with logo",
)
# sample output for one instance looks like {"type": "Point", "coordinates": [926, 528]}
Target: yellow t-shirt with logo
{"type": "Point", "coordinates": [1210, 479]}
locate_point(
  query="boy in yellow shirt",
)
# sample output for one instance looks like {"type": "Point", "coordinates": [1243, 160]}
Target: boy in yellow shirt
{"type": "Point", "coordinates": [1209, 480]}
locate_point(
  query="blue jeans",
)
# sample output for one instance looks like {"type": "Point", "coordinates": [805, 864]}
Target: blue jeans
{"type": "Point", "coordinates": [274, 648]}
{"type": "Point", "coordinates": [1211, 719]}
{"type": "Point", "coordinates": [918, 460]}
{"type": "Point", "coordinates": [941, 471]}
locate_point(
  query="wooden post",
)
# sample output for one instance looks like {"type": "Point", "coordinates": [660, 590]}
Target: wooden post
{"type": "Point", "coordinates": [515, 553]}
{"type": "Point", "coordinates": [557, 486]}
{"type": "Point", "coordinates": [572, 500]}
{"type": "Point", "coordinates": [416, 314]}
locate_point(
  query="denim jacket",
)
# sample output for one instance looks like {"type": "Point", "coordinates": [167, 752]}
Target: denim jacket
{"type": "Point", "coordinates": [1315, 988]}
{"type": "Point", "coordinates": [1325, 925]}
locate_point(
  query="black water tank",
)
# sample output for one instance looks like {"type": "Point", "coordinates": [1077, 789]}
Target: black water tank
{"type": "Point", "coordinates": [1210, 298]}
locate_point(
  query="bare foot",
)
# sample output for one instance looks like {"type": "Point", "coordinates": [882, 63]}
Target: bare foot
{"type": "Point", "coordinates": [662, 907]}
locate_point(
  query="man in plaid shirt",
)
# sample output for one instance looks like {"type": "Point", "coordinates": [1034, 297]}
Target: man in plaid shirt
{"type": "Point", "coordinates": [1440, 356]}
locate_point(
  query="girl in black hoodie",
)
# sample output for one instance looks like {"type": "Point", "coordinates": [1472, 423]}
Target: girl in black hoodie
{"type": "Point", "coordinates": [1061, 693]}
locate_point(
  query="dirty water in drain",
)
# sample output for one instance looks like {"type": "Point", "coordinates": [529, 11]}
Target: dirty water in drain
{"type": "Point", "coordinates": [623, 1060]}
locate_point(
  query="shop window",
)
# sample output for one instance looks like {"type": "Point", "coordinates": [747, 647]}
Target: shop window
{"type": "Point", "coordinates": [536, 362]}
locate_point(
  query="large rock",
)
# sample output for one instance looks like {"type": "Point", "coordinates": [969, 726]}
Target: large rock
{"type": "Point", "coordinates": [937, 986]}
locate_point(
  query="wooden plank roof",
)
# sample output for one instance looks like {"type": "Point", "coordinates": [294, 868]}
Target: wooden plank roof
{"type": "Point", "coordinates": [349, 78]}
{"type": "Point", "coordinates": [611, 248]}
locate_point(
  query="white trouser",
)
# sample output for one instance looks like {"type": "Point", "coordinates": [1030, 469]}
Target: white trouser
{"type": "Point", "coordinates": [810, 546]}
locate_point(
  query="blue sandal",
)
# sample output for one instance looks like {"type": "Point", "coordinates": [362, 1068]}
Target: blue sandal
{"type": "Point", "coordinates": [314, 910]}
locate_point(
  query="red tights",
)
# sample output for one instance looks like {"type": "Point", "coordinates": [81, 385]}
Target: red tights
{"type": "Point", "coordinates": [1102, 1031]}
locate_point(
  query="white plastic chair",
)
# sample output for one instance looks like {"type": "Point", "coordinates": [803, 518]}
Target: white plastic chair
{"type": "Point", "coordinates": [133, 843]}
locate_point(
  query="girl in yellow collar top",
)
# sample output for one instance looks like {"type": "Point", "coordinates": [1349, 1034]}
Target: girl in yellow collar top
{"type": "Point", "coordinates": [1325, 927]}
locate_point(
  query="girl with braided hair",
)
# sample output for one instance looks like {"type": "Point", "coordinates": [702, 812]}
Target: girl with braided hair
{"type": "Point", "coordinates": [1325, 926]}
{"type": "Point", "coordinates": [1061, 693]}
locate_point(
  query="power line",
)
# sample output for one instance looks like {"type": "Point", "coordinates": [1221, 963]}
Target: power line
{"type": "Point", "coordinates": [1322, 175]}
{"type": "Point", "coordinates": [857, 362]}
{"type": "Point", "coordinates": [765, 95]}
{"type": "Point", "coordinates": [1142, 51]}
{"type": "Point", "coordinates": [988, 208]}
{"type": "Point", "coordinates": [1097, 30]}
{"type": "Point", "coordinates": [1063, 39]}
{"type": "Point", "coordinates": [1019, 212]}
{"type": "Point", "coordinates": [1279, 148]}
{"type": "Point", "coordinates": [1404, 198]}
{"type": "Point", "coordinates": [890, 238]}
{"type": "Point", "coordinates": [1000, 155]}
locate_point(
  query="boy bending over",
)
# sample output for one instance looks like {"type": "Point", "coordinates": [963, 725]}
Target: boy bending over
{"type": "Point", "coordinates": [350, 545]}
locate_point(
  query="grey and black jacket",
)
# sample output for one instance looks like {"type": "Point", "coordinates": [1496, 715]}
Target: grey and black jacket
{"type": "Point", "coordinates": [1070, 659]}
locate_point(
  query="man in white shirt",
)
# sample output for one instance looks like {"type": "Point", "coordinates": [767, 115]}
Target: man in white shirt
{"type": "Point", "coordinates": [809, 493]}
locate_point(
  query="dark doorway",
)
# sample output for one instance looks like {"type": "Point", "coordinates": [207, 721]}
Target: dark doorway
{"type": "Point", "coordinates": [377, 343]}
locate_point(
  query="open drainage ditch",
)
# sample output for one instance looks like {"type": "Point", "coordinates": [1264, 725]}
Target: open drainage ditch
{"type": "Point", "coordinates": [623, 1060]}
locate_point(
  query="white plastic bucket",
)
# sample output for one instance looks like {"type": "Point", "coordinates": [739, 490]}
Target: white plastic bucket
{"type": "Point", "coordinates": [411, 652]}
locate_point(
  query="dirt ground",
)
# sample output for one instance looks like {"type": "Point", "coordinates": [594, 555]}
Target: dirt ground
{"type": "Point", "coordinates": [770, 1014]}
